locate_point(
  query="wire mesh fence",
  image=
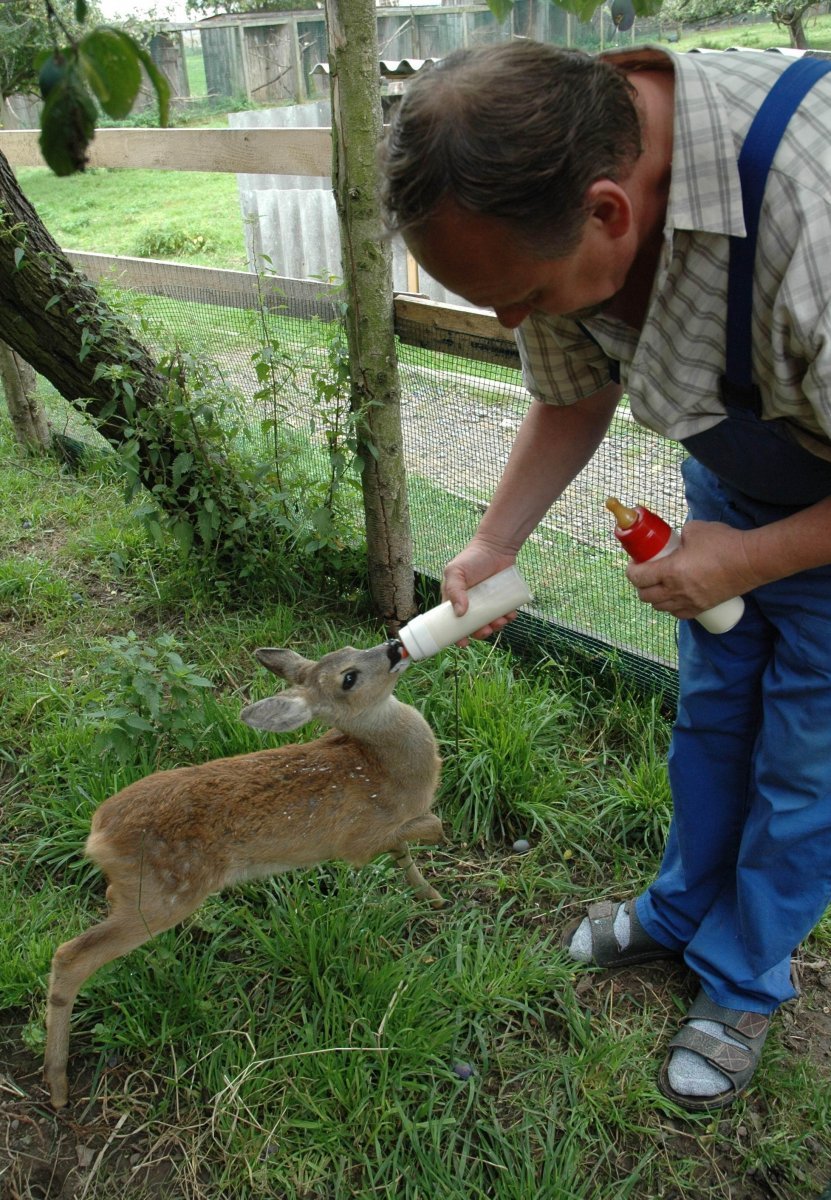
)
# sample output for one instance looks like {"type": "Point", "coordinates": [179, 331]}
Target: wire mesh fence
{"type": "Point", "coordinates": [459, 418]}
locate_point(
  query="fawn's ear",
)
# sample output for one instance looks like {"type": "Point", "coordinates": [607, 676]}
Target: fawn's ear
{"type": "Point", "coordinates": [278, 714]}
{"type": "Point", "coordinates": [284, 663]}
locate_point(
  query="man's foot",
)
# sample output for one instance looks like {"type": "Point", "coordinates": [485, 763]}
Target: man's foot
{"type": "Point", "coordinates": [612, 936]}
{"type": "Point", "coordinates": [713, 1056]}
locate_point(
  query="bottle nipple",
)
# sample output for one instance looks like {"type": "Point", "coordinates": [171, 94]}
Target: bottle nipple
{"type": "Point", "coordinates": [625, 517]}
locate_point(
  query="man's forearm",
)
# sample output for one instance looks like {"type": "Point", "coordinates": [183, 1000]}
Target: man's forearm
{"type": "Point", "coordinates": [795, 543]}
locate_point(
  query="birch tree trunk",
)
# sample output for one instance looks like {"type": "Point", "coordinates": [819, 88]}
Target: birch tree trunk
{"type": "Point", "coordinates": [31, 429]}
{"type": "Point", "coordinates": [367, 271]}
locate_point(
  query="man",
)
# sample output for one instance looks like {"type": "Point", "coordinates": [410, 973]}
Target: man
{"type": "Point", "coordinates": [594, 204]}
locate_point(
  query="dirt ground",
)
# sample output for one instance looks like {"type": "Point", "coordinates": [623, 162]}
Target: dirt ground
{"type": "Point", "coordinates": [97, 1148]}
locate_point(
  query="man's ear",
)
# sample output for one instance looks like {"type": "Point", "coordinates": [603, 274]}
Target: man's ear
{"type": "Point", "coordinates": [609, 207]}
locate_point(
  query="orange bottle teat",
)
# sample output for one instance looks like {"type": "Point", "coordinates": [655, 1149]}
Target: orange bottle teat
{"type": "Point", "coordinates": [625, 517]}
{"type": "Point", "coordinates": [642, 533]}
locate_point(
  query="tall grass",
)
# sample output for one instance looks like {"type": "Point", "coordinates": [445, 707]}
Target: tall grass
{"type": "Point", "coordinates": [320, 1036]}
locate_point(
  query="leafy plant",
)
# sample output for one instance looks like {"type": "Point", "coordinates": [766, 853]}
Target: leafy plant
{"type": "Point", "coordinates": [166, 241]}
{"type": "Point", "coordinates": [317, 510]}
{"type": "Point", "coordinates": [103, 65]}
{"type": "Point", "coordinates": [148, 694]}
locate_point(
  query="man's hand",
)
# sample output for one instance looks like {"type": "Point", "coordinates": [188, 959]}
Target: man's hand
{"type": "Point", "coordinates": [476, 562]}
{"type": "Point", "coordinates": [710, 565]}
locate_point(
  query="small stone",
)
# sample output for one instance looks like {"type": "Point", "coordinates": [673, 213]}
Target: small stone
{"type": "Point", "coordinates": [462, 1070]}
{"type": "Point", "coordinates": [521, 846]}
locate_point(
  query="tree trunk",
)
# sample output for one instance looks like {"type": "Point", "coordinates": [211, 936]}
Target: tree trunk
{"type": "Point", "coordinates": [31, 429]}
{"type": "Point", "coordinates": [53, 317]}
{"type": "Point", "coordinates": [796, 29]}
{"type": "Point", "coordinates": [367, 272]}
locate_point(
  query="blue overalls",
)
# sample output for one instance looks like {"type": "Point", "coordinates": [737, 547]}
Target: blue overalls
{"type": "Point", "coordinates": [746, 873]}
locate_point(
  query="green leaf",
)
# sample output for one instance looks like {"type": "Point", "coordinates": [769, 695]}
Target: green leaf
{"type": "Point", "coordinates": [183, 533]}
{"type": "Point", "coordinates": [111, 67]}
{"type": "Point", "coordinates": [148, 689]}
{"type": "Point", "coordinates": [321, 519]}
{"type": "Point", "coordinates": [182, 464]}
{"type": "Point", "coordinates": [67, 123]}
{"type": "Point", "coordinates": [206, 528]}
{"type": "Point", "coordinates": [199, 681]}
{"type": "Point", "coordinates": [134, 721]}
{"type": "Point", "coordinates": [501, 8]}
{"type": "Point", "coordinates": [162, 87]}
{"type": "Point", "coordinates": [81, 9]}
{"type": "Point", "coordinates": [583, 10]}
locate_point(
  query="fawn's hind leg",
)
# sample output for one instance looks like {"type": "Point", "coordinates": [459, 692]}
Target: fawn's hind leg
{"type": "Point", "coordinates": [123, 930]}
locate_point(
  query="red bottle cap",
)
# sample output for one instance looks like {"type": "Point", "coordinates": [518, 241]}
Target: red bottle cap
{"type": "Point", "coordinates": [646, 537]}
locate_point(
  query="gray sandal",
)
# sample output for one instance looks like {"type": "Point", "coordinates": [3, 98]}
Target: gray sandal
{"type": "Point", "coordinates": [605, 949]}
{"type": "Point", "coordinates": [736, 1063]}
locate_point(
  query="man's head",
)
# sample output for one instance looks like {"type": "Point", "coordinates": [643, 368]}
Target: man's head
{"type": "Point", "coordinates": [517, 132]}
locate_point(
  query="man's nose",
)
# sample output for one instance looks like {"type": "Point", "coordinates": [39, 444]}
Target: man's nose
{"type": "Point", "coordinates": [513, 315]}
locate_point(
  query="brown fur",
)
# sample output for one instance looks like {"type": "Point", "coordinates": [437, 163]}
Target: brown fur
{"type": "Point", "coordinates": [171, 839]}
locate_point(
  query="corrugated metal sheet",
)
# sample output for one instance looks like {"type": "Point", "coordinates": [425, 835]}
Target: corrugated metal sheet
{"type": "Point", "coordinates": [389, 68]}
{"type": "Point", "coordinates": [291, 225]}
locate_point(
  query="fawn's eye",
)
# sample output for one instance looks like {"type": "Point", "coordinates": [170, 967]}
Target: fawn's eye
{"type": "Point", "coordinates": [349, 680]}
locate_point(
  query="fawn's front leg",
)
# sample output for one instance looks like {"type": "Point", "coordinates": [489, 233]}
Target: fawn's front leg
{"type": "Point", "coordinates": [427, 828]}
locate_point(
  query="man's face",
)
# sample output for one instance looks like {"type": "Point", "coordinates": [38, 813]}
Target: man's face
{"type": "Point", "coordinates": [475, 257]}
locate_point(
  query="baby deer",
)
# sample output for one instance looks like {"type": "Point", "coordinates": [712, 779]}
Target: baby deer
{"type": "Point", "coordinates": [167, 841]}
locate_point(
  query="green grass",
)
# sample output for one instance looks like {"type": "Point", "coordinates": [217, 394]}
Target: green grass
{"type": "Point", "coordinates": [183, 216]}
{"type": "Point", "coordinates": [195, 66]}
{"type": "Point", "coordinates": [300, 1038]}
{"type": "Point", "coordinates": [762, 36]}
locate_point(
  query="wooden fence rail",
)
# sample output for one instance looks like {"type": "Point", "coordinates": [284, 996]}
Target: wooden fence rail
{"type": "Point", "coordinates": [454, 330]}
{"type": "Point", "coordinates": [240, 151]}
{"type": "Point", "coordinates": [465, 332]}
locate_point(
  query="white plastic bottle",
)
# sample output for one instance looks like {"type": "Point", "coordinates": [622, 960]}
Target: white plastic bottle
{"type": "Point", "coordinates": [644, 536]}
{"type": "Point", "coordinates": [435, 630]}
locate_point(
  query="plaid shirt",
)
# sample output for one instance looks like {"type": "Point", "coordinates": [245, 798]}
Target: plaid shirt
{"type": "Point", "coordinates": [671, 369]}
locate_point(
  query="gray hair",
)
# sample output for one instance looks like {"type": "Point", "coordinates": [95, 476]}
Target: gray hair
{"type": "Point", "coordinates": [517, 131]}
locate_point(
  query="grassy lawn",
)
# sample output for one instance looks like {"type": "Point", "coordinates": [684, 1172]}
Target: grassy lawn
{"type": "Point", "coordinates": [183, 216]}
{"type": "Point", "coordinates": [321, 1036]}
{"type": "Point", "coordinates": [762, 36]}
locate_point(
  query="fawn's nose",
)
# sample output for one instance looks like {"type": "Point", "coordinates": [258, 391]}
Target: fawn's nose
{"type": "Point", "coordinates": [396, 653]}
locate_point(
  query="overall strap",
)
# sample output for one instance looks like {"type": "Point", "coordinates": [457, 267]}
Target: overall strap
{"type": "Point", "coordinates": [756, 156]}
